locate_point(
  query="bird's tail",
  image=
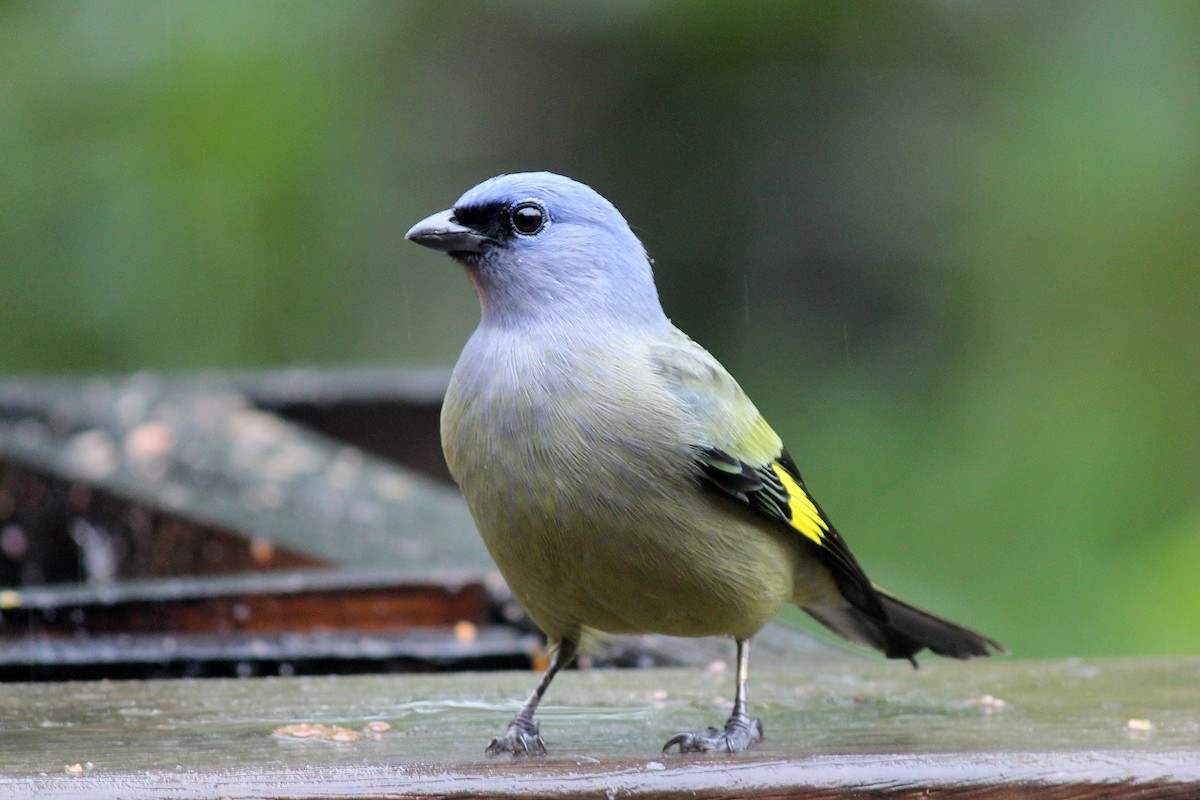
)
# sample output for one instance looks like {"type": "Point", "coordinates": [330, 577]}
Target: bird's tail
{"type": "Point", "coordinates": [906, 631]}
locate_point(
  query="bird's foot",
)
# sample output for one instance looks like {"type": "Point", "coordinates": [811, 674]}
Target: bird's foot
{"type": "Point", "coordinates": [740, 733]}
{"type": "Point", "coordinates": [521, 738]}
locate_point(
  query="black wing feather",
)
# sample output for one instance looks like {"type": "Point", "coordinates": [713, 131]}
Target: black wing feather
{"type": "Point", "coordinates": [761, 488]}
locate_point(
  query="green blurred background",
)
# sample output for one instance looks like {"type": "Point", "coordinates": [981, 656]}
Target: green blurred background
{"type": "Point", "coordinates": [952, 249]}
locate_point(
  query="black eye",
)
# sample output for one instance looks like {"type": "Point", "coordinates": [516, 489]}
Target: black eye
{"type": "Point", "coordinates": [528, 218]}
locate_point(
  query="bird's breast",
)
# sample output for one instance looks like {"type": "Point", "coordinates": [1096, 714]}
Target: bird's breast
{"type": "Point", "coordinates": [579, 472]}
{"type": "Point", "coordinates": [530, 422]}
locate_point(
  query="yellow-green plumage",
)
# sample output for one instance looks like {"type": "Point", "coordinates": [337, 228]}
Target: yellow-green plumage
{"type": "Point", "coordinates": [611, 531]}
{"type": "Point", "coordinates": [620, 477]}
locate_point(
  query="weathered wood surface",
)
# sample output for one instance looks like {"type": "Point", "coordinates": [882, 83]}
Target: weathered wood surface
{"type": "Point", "coordinates": [302, 600]}
{"type": "Point", "coordinates": [150, 487]}
{"type": "Point", "coordinates": [203, 457]}
{"type": "Point", "coordinates": [300, 622]}
{"type": "Point", "coordinates": [847, 727]}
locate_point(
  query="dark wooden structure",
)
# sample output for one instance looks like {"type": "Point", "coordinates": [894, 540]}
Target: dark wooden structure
{"type": "Point", "coordinates": [268, 523]}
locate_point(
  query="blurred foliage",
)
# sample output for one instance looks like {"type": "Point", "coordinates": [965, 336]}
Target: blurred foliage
{"type": "Point", "coordinates": [950, 248]}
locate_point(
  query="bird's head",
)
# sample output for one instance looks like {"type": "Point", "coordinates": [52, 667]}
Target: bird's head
{"type": "Point", "coordinates": [541, 248]}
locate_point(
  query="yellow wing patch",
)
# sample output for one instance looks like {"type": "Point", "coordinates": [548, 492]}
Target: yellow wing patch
{"type": "Point", "coordinates": [805, 516]}
{"type": "Point", "coordinates": [774, 488]}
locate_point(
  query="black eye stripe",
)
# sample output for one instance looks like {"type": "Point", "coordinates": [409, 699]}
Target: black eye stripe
{"type": "Point", "coordinates": [490, 219]}
{"type": "Point", "coordinates": [503, 221]}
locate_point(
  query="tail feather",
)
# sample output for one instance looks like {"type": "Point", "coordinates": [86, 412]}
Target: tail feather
{"type": "Point", "coordinates": [906, 631]}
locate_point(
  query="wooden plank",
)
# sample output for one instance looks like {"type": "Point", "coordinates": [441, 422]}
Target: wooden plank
{"type": "Point", "coordinates": [256, 603]}
{"type": "Point", "coordinates": [57, 529]}
{"type": "Point", "coordinates": [240, 654]}
{"type": "Point", "coordinates": [196, 450]}
{"type": "Point", "coordinates": [854, 728]}
{"type": "Point", "coordinates": [297, 622]}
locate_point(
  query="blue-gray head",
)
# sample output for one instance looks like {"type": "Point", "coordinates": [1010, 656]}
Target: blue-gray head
{"type": "Point", "coordinates": [543, 248]}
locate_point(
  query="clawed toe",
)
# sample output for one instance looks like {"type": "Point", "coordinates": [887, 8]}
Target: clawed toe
{"type": "Point", "coordinates": [520, 739]}
{"type": "Point", "coordinates": [739, 735]}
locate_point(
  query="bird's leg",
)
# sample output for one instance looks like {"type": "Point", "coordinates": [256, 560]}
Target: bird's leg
{"type": "Point", "coordinates": [740, 731]}
{"type": "Point", "coordinates": [521, 737]}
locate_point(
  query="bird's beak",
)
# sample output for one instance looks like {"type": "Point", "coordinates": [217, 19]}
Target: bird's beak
{"type": "Point", "coordinates": [440, 232]}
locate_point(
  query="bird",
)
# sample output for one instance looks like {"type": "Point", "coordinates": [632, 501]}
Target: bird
{"type": "Point", "coordinates": [620, 478]}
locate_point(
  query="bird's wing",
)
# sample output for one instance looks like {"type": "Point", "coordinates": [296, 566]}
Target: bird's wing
{"type": "Point", "coordinates": [742, 456]}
